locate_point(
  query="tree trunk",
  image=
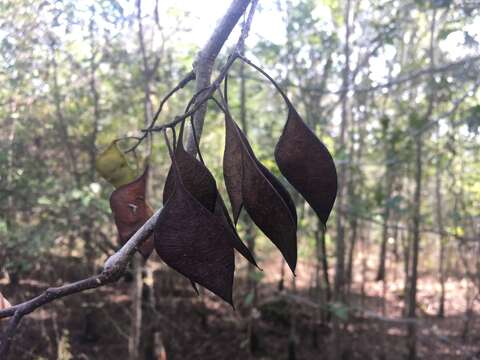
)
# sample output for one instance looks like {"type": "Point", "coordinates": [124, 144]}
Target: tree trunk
{"type": "Point", "coordinates": [205, 61]}
{"type": "Point", "coordinates": [412, 294]}
{"type": "Point", "coordinates": [386, 217]}
{"type": "Point", "coordinates": [253, 339]}
{"type": "Point", "coordinates": [339, 283]}
{"type": "Point", "coordinates": [340, 243]}
{"type": "Point", "coordinates": [95, 95]}
{"type": "Point", "coordinates": [441, 236]}
{"type": "Point", "coordinates": [136, 309]}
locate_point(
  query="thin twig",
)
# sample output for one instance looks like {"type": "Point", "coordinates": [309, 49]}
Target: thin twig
{"type": "Point", "coordinates": [189, 77]}
{"type": "Point", "coordinates": [202, 100]}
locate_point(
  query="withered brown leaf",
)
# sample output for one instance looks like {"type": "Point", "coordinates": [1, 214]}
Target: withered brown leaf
{"type": "Point", "coordinates": [131, 210]}
{"type": "Point", "coordinates": [251, 185]}
{"type": "Point", "coordinates": [307, 164]}
{"type": "Point", "coordinates": [195, 242]}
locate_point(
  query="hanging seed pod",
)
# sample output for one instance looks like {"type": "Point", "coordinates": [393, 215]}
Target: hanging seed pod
{"type": "Point", "coordinates": [201, 184]}
{"type": "Point", "coordinates": [251, 185]}
{"type": "Point", "coordinates": [307, 164]}
{"type": "Point", "coordinates": [304, 160]}
{"type": "Point", "coordinates": [194, 241]}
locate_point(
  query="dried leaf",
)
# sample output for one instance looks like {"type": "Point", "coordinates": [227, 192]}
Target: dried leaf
{"type": "Point", "coordinates": [307, 164]}
{"type": "Point", "coordinates": [131, 211]}
{"type": "Point", "coordinates": [251, 185]}
{"type": "Point", "coordinates": [112, 165]}
{"type": "Point", "coordinates": [195, 242]}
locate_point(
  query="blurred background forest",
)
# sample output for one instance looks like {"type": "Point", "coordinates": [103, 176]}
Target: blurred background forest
{"type": "Point", "coordinates": [391, 87]}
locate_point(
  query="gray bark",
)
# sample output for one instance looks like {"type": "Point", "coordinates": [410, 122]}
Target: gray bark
{"type": "Point", "coordinates": [206, 59]}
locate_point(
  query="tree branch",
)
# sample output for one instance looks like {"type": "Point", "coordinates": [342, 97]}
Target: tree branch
{"type": "Point", "coordinates": [206, 58]}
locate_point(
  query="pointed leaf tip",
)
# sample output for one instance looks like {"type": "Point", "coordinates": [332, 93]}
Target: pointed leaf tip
{"type": "Point", "coordinates": [222, 213]}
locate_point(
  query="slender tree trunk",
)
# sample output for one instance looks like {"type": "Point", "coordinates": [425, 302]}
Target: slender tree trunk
{"type": "Point", "coordinates": [412, 294]}
{"type": "Point", "coordinates": [318, 294]}
{"type": "Point", "coordinates": [324, 258]}
{"type": "Point", "coordinates": [352, 199]}
{"type": "Point", "coordinates": [386, 217]}
{"type": "Point", "coordinates": [342, 173]}
{"type": "Point", "coordinates": [441, 236]}
{"type": "Point", "coordinates": [95, 95]}
{"type": "Point", "coordinates": [147, 70]}
{"type": "Point", "coordinates": [412, 298]}
{"type": "Point", "coordinates": [62, 121]}
{"type": "Point", "coordinates": [134, 352]}
{"type": "Point", "coordinates": [351, 249]}
{"type": "Point", "coordinates": [253, 339]}
{"type": "Point", "coordinates": [292, 336]}
{"type": "Point", "coordinates": [138, 324]}
{"type": "Point", "coordinates": [407, 251]}
{"type": "Point", "coordinates": [10, 213]}
{"type": "Point", "coordinates": [323, 292]}
{"type": "Point", "coordinates": [339, 283]}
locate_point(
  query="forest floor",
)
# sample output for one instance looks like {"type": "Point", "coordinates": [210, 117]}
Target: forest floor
{"type": "Point", "coordinates": [94, 325]}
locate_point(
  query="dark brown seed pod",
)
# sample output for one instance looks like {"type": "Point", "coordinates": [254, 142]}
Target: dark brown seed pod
{"type": "Point", "coordinates": [201, 184]}
{"type": "Point", "coordinates": [251, 185]}
{"type": "Point", "coordinates": [307, 164]}
{"type": "Point", "coordinates": [194, 241]}
{"type": "Point", "coordinates": [195, 176]}
{"type": "Point", "coordinates": [304, 160]}
{"type": "Point", "coordinates": [131, 211]}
